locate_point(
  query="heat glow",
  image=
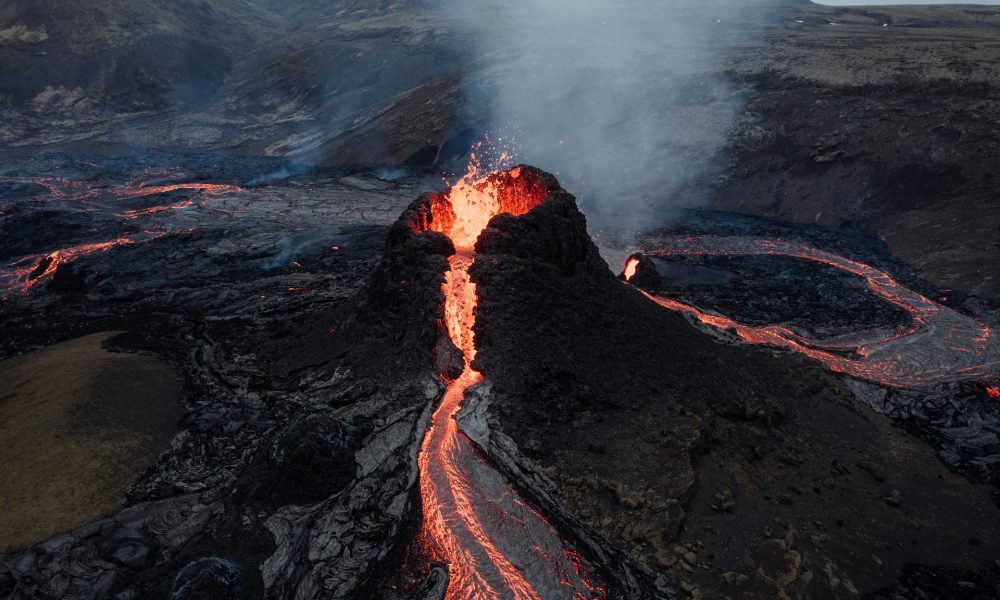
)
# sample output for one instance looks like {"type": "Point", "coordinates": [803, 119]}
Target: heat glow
{"type": "Point", "coordinates": [494, 543]}
{"type": "Point", "coordinates": [29, 271]}
{"type": "Point", "coordinates": [631, 265]}
{"type": "Point", "coordinates": [940, 345]}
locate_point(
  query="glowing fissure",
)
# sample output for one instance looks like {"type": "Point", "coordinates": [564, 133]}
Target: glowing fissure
{"type": "Point", "coordinates": [940, 345]}
{"type": "Point", "coordinates": [28, 271]}
{"type": "Point", "coordinates": [24, 273]}
{"type": "Point", "coordinates": [494, 543]}
{"type": "Point", "coordinates": [60, 188]}
{"type": "Point", "coordinates": [631, 265]}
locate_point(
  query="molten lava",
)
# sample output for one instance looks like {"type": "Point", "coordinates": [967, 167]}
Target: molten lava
{"type": "Point", "coordinates": [60, 188]}
{"type": "Point", "coordinates": [631, 265]}
{"type": "Point", "coordinates": [495, 544]}
{"type": "Point", "coordinates": [100, 201]}
{"type": "Point", "coordinates": [209, 189]}
{"type": "Point", "coordinates": [28, 271]}
{"type": "Point", "coordinates": [941, 344]}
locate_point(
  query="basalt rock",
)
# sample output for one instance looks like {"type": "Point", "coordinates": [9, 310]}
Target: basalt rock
{"type": "Point", "coordinates": [309, 460]}
{"type": "Point", "coordinates": [648, 429]}
{"type": "Point", "coordinates": [133, 548]}
{"type": "Point", "coordinates": [555, 233]}
{"type": "Point", "coordinates": [208, 578]}
{"type": "Point", "coordinates": [398, 317]}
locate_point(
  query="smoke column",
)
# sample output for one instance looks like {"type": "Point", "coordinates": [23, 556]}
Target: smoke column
{"type": "Point", "coordinates": [624, 101]}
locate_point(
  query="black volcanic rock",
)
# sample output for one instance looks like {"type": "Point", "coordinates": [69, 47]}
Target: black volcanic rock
{"type": "Point", "coordinates": [401, 309]}
{"type": "Point", "coordinates": [644, 422]}
{"type": "Point", "coordinates": [133, 548]}
{"type": "Point", "coordinates": [554, 232]}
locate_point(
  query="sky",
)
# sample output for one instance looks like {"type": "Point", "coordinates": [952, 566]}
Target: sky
{"type": "Point", "coordinates": [884, 2]}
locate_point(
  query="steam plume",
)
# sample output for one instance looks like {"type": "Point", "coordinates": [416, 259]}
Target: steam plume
{"type": "Point", "coordinates": [625, 101]}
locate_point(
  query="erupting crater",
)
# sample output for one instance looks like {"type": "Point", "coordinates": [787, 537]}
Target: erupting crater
{"type": "Point", "coordinates": [496, 545]}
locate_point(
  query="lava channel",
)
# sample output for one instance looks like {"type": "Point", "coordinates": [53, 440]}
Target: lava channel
{"type": "Point", "coordinates": [21, 275]}
{"type": "Point", "coordinates": [494, 543]}
{"type": "Point", "coordinates": [941, 345]}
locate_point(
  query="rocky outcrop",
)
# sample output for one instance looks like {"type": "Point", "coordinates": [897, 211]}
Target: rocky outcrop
{"type": "Point", "coordinates": [719, 464]}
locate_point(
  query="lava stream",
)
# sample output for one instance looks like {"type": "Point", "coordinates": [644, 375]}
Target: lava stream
{"type": "Point", "coordinates": [102, 201]}
{"type": "Point", "coordinates": [495, 544]}
{"type": "Point", "coordinates": [28, 271]}
{"type": "Point", "coordinates": [941, 344]}
{"type": "Point", "coordinates": [72, 189]}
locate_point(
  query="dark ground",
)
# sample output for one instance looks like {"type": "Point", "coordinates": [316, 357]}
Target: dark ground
{"type": "Point", "coordinates": [737, 471]}
{"type": "Point", "coordinates": [743, 472]}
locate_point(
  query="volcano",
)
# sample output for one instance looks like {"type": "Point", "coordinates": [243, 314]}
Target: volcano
{"type": "Point", "coordinates": [480, 407]}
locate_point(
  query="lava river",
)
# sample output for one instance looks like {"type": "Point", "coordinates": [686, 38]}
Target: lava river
{"type": "Point", "coordinates": [100, 202]}
{"type": "Point", "coordinates": [494, 543]}
{"type": "Point", "coordinates": [939, 345]}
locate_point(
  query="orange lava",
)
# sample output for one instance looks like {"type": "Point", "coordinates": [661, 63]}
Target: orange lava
{"type": "Point", "coordinates": [152, 210]}
{"type": "Point", "coordinates": [631, 265]}
{"type": "Point", "coordinates": [459, 491]}
{"type": "Point", "coordinates": [29, 271]}
{"type": "Point", "coordinates": [209, 189]}
{"type": "Point", "coordinates": [61, 188]}
{"type": "Point", "coordinates": [993, 391]}
{"type": "Point", "coordinates": [99, 199]}
{"type": "Point", "coordinates": [940, 345]}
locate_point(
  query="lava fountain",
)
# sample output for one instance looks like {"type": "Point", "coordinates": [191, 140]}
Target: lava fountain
{"type": "Point", "coordinates": [494, 543]}
{"type": "Point", "coordinates": [940, 344]}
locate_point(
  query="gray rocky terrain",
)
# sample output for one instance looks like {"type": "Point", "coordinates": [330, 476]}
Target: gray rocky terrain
{"type": "Point", "coordinates": [883, 118]}
{"type": "Point", "coordinates": [238, 188]}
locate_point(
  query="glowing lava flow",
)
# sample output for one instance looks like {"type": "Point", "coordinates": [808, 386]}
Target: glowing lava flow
{"type": "Point", "coordinates": [631, 265]}
{"type": "Point", "coordinates": [495, 544]}
{"type": "Point", "coordinates": [209, 189]}
{"type": "Point", "coordinates": [76, 190]}
{"type": "Point", "coordinates": [941, 345]}
{"type": "Point", "coordinates": [28, 271]}
{"type": "Point", "coordinates": [101, 201]}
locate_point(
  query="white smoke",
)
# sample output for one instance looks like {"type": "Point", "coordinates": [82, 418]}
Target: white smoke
{"type": "Point", "coordinates": [625, 101]}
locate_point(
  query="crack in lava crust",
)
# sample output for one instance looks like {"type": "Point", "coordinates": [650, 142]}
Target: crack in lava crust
{"type": "Point", "coordinates": [495, 544]}
{"type": "Point", "coordinates": [940, 345]}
